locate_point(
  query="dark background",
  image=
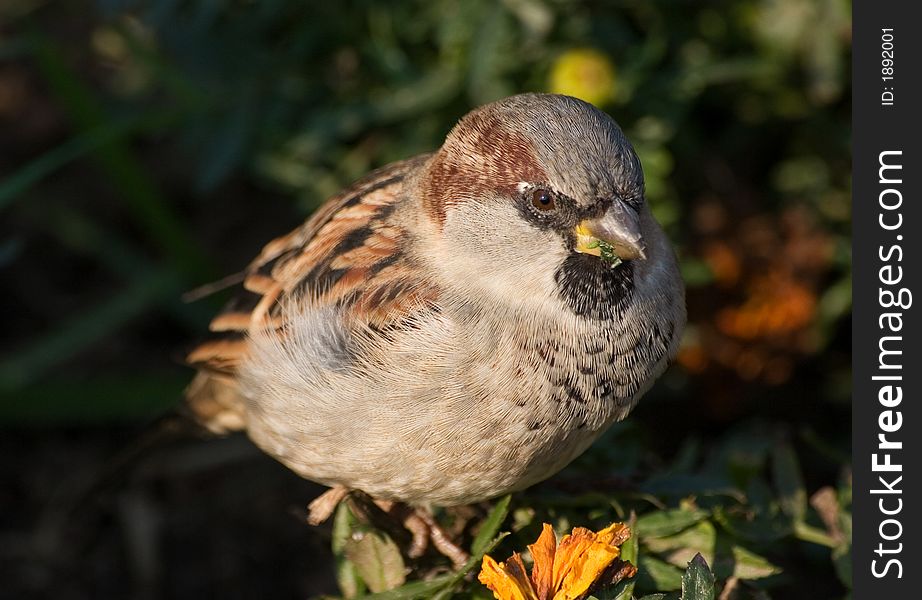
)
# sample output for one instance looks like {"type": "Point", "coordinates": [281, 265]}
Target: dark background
{"type": "Point", "coordinates": [148, 147]}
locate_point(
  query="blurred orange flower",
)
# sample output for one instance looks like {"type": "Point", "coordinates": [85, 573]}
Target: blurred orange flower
{"type": "Point", "coordinates": [560, 572]}
{"type": "Point", "coordinates": [778, 304]}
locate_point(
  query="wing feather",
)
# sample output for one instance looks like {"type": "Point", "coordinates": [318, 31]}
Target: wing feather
{"type": "Point", "coordinates": [346, 252]}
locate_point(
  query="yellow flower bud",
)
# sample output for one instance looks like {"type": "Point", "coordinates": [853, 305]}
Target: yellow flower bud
{"type": "Point", "coordinates": [586, 74]}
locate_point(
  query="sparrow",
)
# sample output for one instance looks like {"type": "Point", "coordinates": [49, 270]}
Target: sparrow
{"type": "Point", "coordinates": [455, 326]}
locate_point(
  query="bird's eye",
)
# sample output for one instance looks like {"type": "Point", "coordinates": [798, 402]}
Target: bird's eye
{"type": "Point", "coordinates": [543, 200]}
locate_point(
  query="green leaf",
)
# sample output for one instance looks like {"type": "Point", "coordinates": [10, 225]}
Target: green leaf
{"type": "Point", "coordinates": [377, 559]}
{"type": "Point", "coordinates": [809, 533]}
{"type": "Point", "coordinates": [347, 576]}
{"type": "Point", "coordinates": [629, 552]}
{"type": "Point", "coordinates": [698, 581]}
{"type": "Point", "coordinates": [413, 591]}
{"type": "Point", "coordinates": [655, 574]}
{"type": "Point", "coordinates": [629, 549]}
{"type": "Point", "coordinates": [788, 481]}
{"type": "Point", "coordinates": [678, 549]}
{"type": "Point", "coordinates": [737, 561]}
{"type": "Point", "coordinates": [749, 565]}
{"type": "Point", "coordinates": [473, 562]}
{"type": "Point", "coordinates": [842, 554]}
{"type": "Point", "coordinates": [490, 526]}
{"type": "Point", "coordinates": [754, 528]}
{"type": "Point", "coordinates": [668, 522]}
{"type": "Point", "coordinates": [842, 561]}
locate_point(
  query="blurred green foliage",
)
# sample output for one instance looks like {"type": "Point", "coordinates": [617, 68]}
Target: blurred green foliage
{"type": "Point", "coordinates": [744, 101]}
{"type": "Point", "coordinates": [149, 146]}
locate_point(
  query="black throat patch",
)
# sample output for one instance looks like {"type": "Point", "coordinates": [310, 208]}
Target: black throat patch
{"type": "Point", "coordinates": [594, 289]}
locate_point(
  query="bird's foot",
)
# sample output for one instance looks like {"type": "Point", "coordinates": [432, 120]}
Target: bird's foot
{"type": "Point", "coordinates": [320, 509]}
{"type": "Point", "coordinates": [412, 528]}
{"type": "Point", "coordinates": [442, 540]}
{"type": "Point", "coordinates": [424, 529]}
{"type": "Point", "coordinates": [407, 517]}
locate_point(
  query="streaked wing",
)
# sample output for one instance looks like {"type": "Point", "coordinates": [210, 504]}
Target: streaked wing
{"type": "Point", "coordinates": [347, 252]}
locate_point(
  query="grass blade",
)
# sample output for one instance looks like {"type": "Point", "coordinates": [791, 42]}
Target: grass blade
{"type": "Point", "coordinates": [490, 526]}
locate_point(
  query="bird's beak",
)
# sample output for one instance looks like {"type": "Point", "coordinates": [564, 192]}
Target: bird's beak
{"type": "Point", "coordinates": [618, 228]}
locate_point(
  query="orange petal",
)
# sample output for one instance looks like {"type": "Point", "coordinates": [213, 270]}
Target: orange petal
{"type": "Point", "coordinates": [569, 548]}
{"type": "Point", "coordinates": [542, 573]}
{"type": "Point", "coordinates": [506, 581]}
{"type": "Point", "coordinates": [615, 534]}
{"type": "Point", "coordinates": [586, 571]}
{"type": "Point", "coordinates": [580, 559]}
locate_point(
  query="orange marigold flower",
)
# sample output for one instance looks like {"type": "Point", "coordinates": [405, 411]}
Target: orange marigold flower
{"type": "Point", "coordinates": [564, 571]}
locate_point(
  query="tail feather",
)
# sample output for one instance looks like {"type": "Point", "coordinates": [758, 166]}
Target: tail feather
{"type": "Point", "coordinates": [214, 401]}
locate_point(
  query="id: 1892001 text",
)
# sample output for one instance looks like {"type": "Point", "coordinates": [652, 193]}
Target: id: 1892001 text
{"type": "Point", "coordinates": [886, 66]}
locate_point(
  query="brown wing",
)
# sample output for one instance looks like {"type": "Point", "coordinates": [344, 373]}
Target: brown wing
{"type": "Point", "coordinates": [346, 252]}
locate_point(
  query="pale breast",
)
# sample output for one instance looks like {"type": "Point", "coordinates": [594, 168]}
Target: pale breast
{"type": "Point", "coordinates": [452, 409]}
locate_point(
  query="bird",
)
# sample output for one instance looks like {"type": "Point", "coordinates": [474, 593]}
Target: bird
{"type": "Point", "coordinates": [455, 326]}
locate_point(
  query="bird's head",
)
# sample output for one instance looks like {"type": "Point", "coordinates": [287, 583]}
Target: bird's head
{"type": "Point", "coordinates": [541, 196]}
